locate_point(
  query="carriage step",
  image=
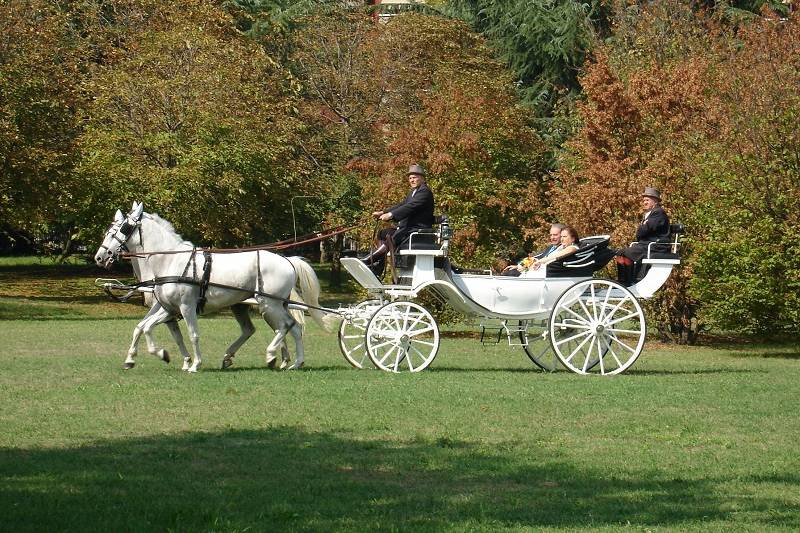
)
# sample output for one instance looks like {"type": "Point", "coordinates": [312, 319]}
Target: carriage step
{"type": "Point", "coordinates": [492, 333]}
{"type": "Point", "coordinates": [513, 333]}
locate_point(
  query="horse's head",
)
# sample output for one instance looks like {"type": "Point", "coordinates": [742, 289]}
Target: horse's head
{"type": "Point", "coordinates": [118, 235]}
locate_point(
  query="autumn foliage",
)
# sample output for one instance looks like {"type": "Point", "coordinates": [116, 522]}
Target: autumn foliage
{"type": "Point", "coordinates": [710, 119]}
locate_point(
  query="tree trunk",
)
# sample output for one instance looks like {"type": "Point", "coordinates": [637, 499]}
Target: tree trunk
{"type": "Point", "coordinates": [66, 246]}
{"type": "Point", "coordinates": [323, 251]}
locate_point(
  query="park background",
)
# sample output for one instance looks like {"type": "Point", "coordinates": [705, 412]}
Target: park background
{"type": "Point", "coordinates": [216, 113]}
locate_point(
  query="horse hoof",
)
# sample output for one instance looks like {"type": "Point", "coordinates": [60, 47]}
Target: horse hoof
{"type": "Point", "coordinates": [164, 355]}
{"type": "Point", "coordinates": [297, 366]}
{"type": "Point", "coordinates": [271, 363]}
{"type": "Point", "coordinates": [128, 366]}
{"type": "Point", "coordinates": [284, 364]}
{"type": "Point", "coordinates": [227, 363]}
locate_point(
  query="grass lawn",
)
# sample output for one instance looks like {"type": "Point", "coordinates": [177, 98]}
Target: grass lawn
{"type": "Point", "coordinates": [701, 438]}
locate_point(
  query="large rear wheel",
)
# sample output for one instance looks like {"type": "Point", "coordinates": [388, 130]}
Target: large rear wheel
{"type": "Point", "coordinates": [402, 337]}
{"type": "Point", "coordinates": [597, 327]}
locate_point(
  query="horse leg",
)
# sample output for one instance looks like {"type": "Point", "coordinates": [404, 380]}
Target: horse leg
{"type": "Point", "coordinates": [272, 347]}
{"type": "Point", "coordinates": [242, 314]}
{"type": "Point", "coordinates": [284, 325]}
{"type": "Point", "coordinates": [286, 357]}
{"type": "Point", "coordinates": [297, 333]}
{"type": "Point", "coordinates": [299, 319]}
{"type": "Point", "coordinates": [190, 315]}
{"type": "Point", "coordinates": [130, 361]}
{"type": "Point", "coordinates": [175, 331]}
{"type": "Point", "coordinates": [159, 317]}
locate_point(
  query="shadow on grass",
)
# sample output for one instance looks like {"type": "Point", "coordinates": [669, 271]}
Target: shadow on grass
{"type": "Point", "coordinates": [287, 478]}
{"type": "Point", "coordinates": [780, 355]}
{"type": "Point", "coordinates": [699, 371]}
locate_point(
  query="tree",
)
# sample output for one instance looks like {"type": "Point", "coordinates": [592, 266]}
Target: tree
{"type": "Point", "coordinates": [455, 110]}
{"type": "Point", "coordinates": [41, 68]}
{"type": "Point", "coordinates": [701, 109]}
{"type": "Point", "coordinates": [748, 182]}
{"type": "Point", "coordinates": [195, 120]}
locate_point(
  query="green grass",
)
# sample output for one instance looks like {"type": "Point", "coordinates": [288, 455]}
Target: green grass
{"type": "Point", "coordinates": [702, 438]}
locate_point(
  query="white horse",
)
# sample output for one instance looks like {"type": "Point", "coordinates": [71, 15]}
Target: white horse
{"type": "Point", "coordinates": [234, 278]}
{"type": "Point", "coordinates": [156, 315]}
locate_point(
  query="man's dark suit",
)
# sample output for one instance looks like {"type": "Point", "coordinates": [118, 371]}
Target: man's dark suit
{"type": "Point", "coordinates": [413, 213]}
{"type": "Point", "coordinates": [653, 228]}
{"type": "Point", "coordinates": [547, 251]}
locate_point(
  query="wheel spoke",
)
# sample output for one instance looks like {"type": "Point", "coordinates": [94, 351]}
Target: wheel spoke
{"type": "Point", "coordinates": [614, 354]}
{"type": "Point", "coordinates": [603, 315]}
{"type": "Point", "coordinates": [420, 331]}
{"type": "Point", "coordinates": [419, 317]}
{"type": "Point", "coordinates": [431, 344]}
{"type": "Point", "coordinates": [588, 354]}
{"type": "Point", "coordinates": [626, 317]}
{"type": "Point", "coordinates": [421, 355]}
{"type": "Point", "coordinates": [600, 356]}
{"type": "Point", "coordinates": [574, 337]}
{"type": "Point", "coordinates": [631, 331]}
{"type": "Point", "coordinates": [570, 325]}
{"type": "Point", "coordinates": [632, 350]}
{"type": "Point", "coordinates": [585, 309]}
{"type": "Point", "coordinates": [594, 301]}
{"type": "Point", "coordinates": [385, 343]}
{"type": "Point", "coordinates": [568, 359]}
{"type": "Point", "coordinates": [578, 317]}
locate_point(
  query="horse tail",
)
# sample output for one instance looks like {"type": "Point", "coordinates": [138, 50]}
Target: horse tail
{"type": "Point", "coordinates": [309, 289]}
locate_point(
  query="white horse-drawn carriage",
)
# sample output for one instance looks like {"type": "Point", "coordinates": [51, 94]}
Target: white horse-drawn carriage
{"type": "Point", "coordinates": [558, 315]}
{"type": "Point", "coordinates": [562, 315]}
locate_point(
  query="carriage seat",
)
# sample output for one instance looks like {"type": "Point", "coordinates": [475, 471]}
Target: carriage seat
{"type": "Point", "coordinates": [666, 247]}
{"type": "Point", "coordinates": [592, 255]}
{"type": "Point", "coordinates": [434, 239]}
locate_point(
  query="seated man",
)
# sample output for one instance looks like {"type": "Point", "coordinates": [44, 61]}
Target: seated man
{"type": "Point", "coordinates": [555, 241]}
{"type": "Point", "coordinates": [569, 245]}
{"type": "Point", "coordinates": [654, 227]}
{"type": "Point", "coordinates": [413, 213]}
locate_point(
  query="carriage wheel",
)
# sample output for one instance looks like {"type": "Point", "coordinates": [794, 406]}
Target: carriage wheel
{"type": "Point", "coordinates": [537, 347]}
{"type": "Point", "coordinates": [597, 326]}
{"type": "Point", "coordinates": [352, 340]}
{"type": "Point", "coordinates": [402, 336]}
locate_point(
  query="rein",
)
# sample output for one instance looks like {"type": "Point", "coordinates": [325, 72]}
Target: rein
{"type": "Point", "coordinates": [152, 283]}
{"type": "Point", "coordinates": [275, 246]}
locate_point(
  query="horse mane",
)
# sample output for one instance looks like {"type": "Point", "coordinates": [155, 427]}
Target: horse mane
{"type": "Point", "coordinates": [168, 228]}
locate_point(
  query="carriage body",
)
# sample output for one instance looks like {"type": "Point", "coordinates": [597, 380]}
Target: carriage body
{"type": "Point", "coordinates": [560, 317]}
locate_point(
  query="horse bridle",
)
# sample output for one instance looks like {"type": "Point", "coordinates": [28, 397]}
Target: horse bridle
{"type": "Point", "coordinates": [126, 229]}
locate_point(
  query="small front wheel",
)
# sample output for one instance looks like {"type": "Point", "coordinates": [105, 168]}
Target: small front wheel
{"type": "Point", "coordinates": [402, 336]}
{"type": "Point", "coordinates": [352, 333]}
{"type": "Point", "coordinates": [597, 326]}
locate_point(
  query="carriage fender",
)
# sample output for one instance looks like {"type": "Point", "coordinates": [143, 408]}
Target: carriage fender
{"type": "Point", "coordinates": [450, 289]}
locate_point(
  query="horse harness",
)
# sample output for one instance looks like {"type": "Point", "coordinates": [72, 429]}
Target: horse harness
{"type": "Point", "coordinates": [127, 229]}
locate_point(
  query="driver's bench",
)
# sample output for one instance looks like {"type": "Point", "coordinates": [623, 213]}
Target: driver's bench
{"type": "Point", "coordinates": [425, 249]}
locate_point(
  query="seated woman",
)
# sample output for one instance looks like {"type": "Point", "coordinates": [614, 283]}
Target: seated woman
{"type": "Point", "coordinates": [569, 245]}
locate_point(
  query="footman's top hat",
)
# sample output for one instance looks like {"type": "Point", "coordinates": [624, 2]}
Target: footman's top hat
{"type": "Point", "coordinates": [416, 169]}
{"type": "Point", "coordinates": [652, 193]}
